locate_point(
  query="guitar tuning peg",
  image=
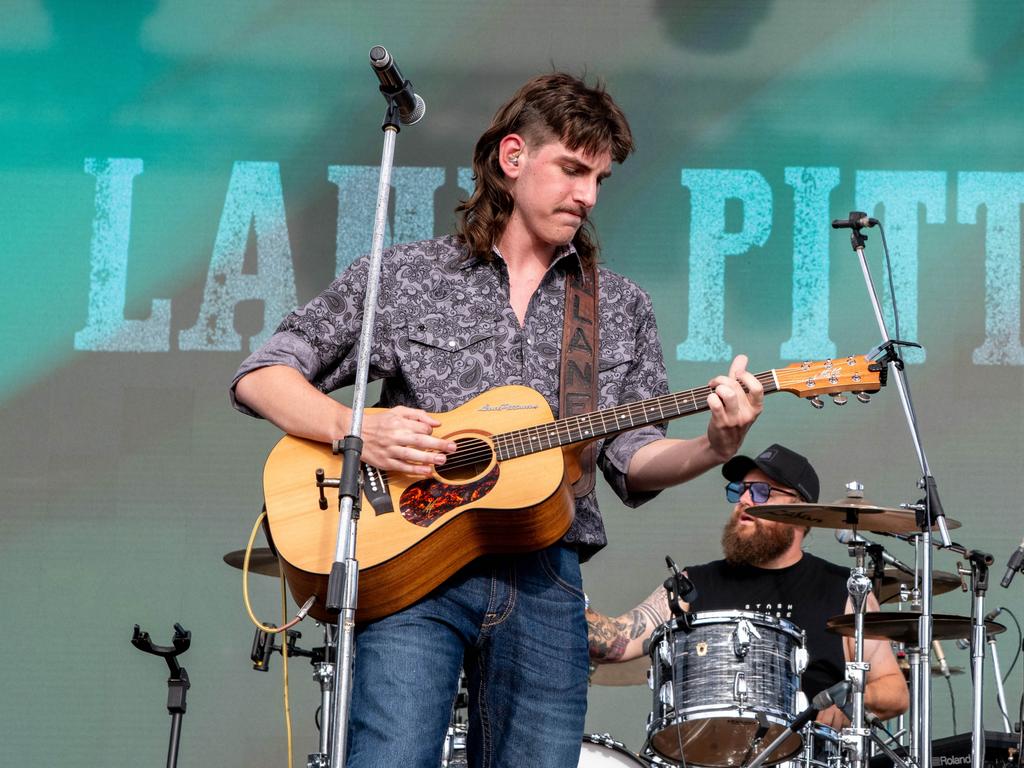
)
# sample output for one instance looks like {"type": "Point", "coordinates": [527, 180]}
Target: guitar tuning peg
{"type": "Point", "coordinates": [816, 402]}
{"type": "Point", "coordinates": [864, 397]}
{"type": "Point", "coordinates": [839, 399]}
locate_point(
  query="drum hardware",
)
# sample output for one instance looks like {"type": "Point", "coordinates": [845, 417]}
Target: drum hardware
{"type": "Point", "coordinates": [894, 585]}
{"type": "Point", "coordinates": [177, 684]}
{"type": "Point", "coordinates": [723, 708]}
{"type": "Point", "coordinates": [453, 754]}
{"type": "Point", "coordinates": [600, 749]}
{"type": "Point", "coordinates": [836, 695]}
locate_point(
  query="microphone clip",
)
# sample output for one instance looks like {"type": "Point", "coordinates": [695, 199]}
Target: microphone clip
{"type": "Point", "coordinates": [679, 589]}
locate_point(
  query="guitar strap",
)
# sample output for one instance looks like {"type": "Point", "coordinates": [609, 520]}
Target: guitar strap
{"type": "Point", "coordinates": [578, 379]}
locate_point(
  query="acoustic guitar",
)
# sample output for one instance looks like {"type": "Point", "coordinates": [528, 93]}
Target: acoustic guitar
{"type": "Point", "coordinates": [506, 489]}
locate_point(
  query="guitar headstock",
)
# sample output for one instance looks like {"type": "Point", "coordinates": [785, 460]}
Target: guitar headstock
{"type": "Point", "coordinates": [856, 374]}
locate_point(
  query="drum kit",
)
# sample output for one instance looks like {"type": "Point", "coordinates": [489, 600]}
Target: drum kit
{"type": "Point", "coordinates": [726, 684]}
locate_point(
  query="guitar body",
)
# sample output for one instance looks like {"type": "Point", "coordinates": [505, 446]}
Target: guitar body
{"type": "Point", "coordinates": [415, 532]}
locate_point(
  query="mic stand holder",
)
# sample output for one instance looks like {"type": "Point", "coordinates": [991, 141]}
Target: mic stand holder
{"type": "Point", "coordinates": [177, 684]}
{"type": "Point", "coordinates": [933, 513]}
{"type": "Point", "coordinates": [343, 583]}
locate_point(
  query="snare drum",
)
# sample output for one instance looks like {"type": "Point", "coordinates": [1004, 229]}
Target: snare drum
{"type": "Point", "coordinates": [724, 687]}
{"type": "Point", "coordinates": [602, 751]}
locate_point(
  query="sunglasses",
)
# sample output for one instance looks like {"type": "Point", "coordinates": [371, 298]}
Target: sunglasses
{"type": "Point", "coordinates": [759, 491]}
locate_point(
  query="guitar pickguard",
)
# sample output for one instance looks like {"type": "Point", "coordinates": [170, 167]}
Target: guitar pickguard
{"type": "Point", "coordinates": [424, 502]}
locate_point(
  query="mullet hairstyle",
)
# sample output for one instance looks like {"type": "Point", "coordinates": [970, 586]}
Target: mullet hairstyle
{"type": "Point", "coordinates": [547, 108]}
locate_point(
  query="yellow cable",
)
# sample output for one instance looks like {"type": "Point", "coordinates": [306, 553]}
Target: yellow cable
{"type": "Point", "coordinates": [284, 662]}
{"type": "Point", "coordinates": [285, 624]}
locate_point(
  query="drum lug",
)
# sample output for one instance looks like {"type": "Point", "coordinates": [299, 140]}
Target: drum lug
{"type": "Point", "coordinates": [739, 688]}
{"type": "Point", "coordinates": [800, 659]}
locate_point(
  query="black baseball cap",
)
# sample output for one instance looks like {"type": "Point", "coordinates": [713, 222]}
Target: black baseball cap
{"type": "Point", "coordinates": [781, 464]}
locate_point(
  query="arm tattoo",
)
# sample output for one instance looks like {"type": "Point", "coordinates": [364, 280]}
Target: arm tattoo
{"type": "Point", "coordinates": [608, 636]}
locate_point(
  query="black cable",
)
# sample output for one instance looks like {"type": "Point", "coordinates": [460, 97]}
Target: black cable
{"type": "Point", "coordinates": [952, 701]}
{"type": "Point", "coordinates": [892, 286]}
{"type": "Point", "coordinates": [1020, 642]}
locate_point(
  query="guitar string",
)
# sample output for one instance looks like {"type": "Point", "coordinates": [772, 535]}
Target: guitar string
{"type": "Point", "coordinates": [481, 451]}
{"type": "Point", "coordinates": [553, 431]}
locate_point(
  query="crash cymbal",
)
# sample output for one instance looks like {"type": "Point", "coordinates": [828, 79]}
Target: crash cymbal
{"type": "Point", "coordinates": [902, 627]}
{"type": "Point", "coordinates": [633, 672]}
{"type": "Point", "coordinates": [262, 560]}
{"type": "Point", "coordinates": [845, 513]}
{"type": "Point", "coordinates": [941, 582]}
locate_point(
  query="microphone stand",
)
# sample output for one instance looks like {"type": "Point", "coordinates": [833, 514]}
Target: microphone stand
{"type": "Point", "coordinates": [980, 562]}
{"type": "Point", "coordinates": [343, 584]}
{"type": "Point", "coordinates": [933, 514]}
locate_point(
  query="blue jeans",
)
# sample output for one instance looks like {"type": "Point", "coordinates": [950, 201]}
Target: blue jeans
{"type": "Point", "coordinates": [516, 624]}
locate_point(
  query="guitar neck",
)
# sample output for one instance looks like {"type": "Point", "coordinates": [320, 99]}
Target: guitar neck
{"type": "Point", "coordinates": [611, 421]}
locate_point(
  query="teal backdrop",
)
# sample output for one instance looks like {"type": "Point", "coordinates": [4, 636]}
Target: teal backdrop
{"type": "Point", "coordinates": [175, 176]}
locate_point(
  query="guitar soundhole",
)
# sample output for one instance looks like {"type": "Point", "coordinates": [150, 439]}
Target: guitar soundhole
{"type": "Point", "coordinates": [472, 458]}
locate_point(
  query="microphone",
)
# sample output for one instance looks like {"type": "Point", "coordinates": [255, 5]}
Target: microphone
{"type": "Point", "coordinates": [857, 220]}
{"type": "Point", "coordinates": [941, 658]}
{"type": "Point", "coordinates": [846, 536]}
{"type": "Point", "coordinates": [410, 106]}
{"type": "Point", "coordinates": [1013, 565]}
{"type": "Point", "coordinates": [837, 695]}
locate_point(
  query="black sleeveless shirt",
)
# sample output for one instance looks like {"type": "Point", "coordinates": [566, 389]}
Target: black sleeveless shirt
{"type": "Point", "coordinates": [806, 593]}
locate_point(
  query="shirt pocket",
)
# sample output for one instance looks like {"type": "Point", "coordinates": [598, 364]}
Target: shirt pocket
{"type": "Point", "coordinates": [448, 360]}
{"type": "Point", "coordinates": [444, 333]}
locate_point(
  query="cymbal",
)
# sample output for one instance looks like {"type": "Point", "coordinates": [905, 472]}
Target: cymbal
{"type": "Point", "coordinates": [632, 672]}
{"type": "Point", "coordinates": [262, 560]}
{"type": "Point", "coordinates": [844, 513]}
{"type": "Point", "coordinates": [892, 579]}
{"type": "Point", "coordinates": [902, 627]}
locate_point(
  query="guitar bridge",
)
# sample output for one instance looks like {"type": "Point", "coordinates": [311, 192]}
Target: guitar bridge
{"type": "Point", "coordinates": [375, 489]}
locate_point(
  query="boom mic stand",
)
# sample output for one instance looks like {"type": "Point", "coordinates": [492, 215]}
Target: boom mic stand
{"type": "Point", "coordinates": [343, 583]}
{"type": "Point", "coordinates": [932, 515]}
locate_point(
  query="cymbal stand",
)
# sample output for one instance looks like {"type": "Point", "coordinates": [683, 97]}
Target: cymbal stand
{"type": "Point", "coordinates": [933, 513]}
{"type": "Point", "coordinates": [323, 673]}
{"type": "Point", "coordinates": [858, 585]}
{"type": "Point", "coordinates": [980, 562]}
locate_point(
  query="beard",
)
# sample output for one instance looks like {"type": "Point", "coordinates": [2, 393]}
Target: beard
{"type": "Point", "coordinates": [761, 545]}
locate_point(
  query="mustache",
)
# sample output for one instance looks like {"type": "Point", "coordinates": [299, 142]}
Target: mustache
{"type": "Point", "coordinates": [574, 211]}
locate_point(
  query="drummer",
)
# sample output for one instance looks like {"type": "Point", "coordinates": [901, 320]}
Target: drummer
{"type": "Point", "coordinates": [765, 570]}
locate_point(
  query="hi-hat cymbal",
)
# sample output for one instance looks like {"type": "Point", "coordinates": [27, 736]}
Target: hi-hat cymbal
{"type": "Point", "coordinates": [902, 627]}
{"type": "Point", "coordinates": [845, 513]}
{"type": "Point", "coordinates": [262, 560]}
{"type": "Point", "coordinates": [633, 672]}
{"type": "Point", "coordinates": [893, 578]}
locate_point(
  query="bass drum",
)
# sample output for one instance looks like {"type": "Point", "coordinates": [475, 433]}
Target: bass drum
{"type": "Point", "coordinates": [602, 751]}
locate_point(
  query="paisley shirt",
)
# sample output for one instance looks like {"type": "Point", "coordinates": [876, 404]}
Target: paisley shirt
{"type": "Point", "coordinates": [445, 332]}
